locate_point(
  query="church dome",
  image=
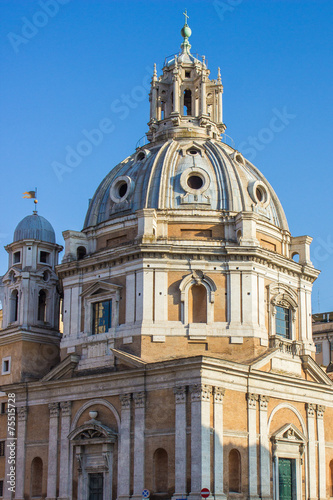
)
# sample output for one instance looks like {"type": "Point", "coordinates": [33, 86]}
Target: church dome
{"type": "Point", "coordinates": [185, 174]}
{"type": "Point", "coordinates": [34, 227]}
{"type": "Point", "coordinates": [185, 165]}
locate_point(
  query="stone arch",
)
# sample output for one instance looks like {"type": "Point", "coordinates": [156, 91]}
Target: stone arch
{"type": "Point", "coordinates": [94, 402]}
{"type": "Point", "coordinates": [160, 470]}
{"type": "Point", "coordinates": [235, 468]}
{"type": "Point", "coordinates": [36, 481]}
{"type": "Point", "coordinates": [197, 278]}
{"type": "Point", "coordinates": [289, 407]}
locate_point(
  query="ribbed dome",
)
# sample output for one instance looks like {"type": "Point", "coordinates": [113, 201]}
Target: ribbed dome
{"type": "Point", "coordinates": [34, 227]}
{"type": "Point", "coordinates": [182, 174]}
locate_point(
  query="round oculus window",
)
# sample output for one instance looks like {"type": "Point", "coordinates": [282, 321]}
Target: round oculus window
{"type": "Point", "coordinates": [195, 181]}
{"type": "Point", "coordinates": [120, 188]}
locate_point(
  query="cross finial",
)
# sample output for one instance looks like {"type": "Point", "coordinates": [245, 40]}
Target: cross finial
{"type": "Point", "coordinates": [186, 16]}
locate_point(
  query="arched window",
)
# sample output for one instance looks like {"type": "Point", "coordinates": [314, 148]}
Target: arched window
{"type": "Point", "coordinates": [331, 479]}
{"type": "Point", "coordinates": [160, 471]}
{"type": "Point", "coordinates": [197, 304]}
{"type": "Point", "coordinates": [187, 102]}
{"type": "Point", "coordinates": [80, 253]}
{"type": "Point", "coordinates": [36, 477]}
{"type": "Point", "coordinates": [234, 471]}
{"type": "Point", "coordinates": [14, 306]}
{"type": "Point", "coordinates": [282, 322]}
{"type": "Point", "coordinates": [42, 306]}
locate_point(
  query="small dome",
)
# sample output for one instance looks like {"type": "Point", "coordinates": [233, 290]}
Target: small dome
{"type": "Point", "coordinates": [34, 227]}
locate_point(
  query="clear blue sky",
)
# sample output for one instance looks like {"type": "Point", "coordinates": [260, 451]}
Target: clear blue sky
{"type": "Point", "coordinates": [66, 64]}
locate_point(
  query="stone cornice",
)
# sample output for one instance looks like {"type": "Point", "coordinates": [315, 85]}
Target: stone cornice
{"type": "Point", "coordinates": [223, 252]}
{"type": "Point", "coordinates": [11, 335]}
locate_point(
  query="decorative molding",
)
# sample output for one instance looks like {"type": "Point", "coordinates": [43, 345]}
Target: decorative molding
{"type": "Point", "coordinates": [180, 394]}
{"type": "Point", "coordinates": [263, 402]}
{"type": "Point", "coordinates": [252, 400]}
{"type": "Point", "coordinates": [66, 408]}
{"type": "Point", "coordinates": [320, 411]}
{"type": "Point", "coordinates": [54, 410]}
{"type": "Point", "coordinates": [125, 401]}
{"type": "Point", "coordinates": [22, 413]}
{"type": "Point", "coordinates": [218, 394]}
{"type": "Point", "coordinates": [200, 392]}
{"type": "Point", "coordinates": [310, 409]}
{"type": "Point", "coordinates": [139, 399]}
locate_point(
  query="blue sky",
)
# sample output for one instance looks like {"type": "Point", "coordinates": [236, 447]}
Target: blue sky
{"type": "Point", "coordinates": [69, 67]}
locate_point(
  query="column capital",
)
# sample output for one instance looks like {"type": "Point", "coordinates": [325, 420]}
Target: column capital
{"type": "Point", "coordinates": [54, 409]}
{"type": "Point", "coordinates": [263, 402]}
{"type": "Point", "coordinates": [200, 392]}
{"type": "Point", "coordinates": [125, 401]}
{"type": "Point", "coordinates": [139, 399]}
{"type": "Point", "coordinates": [310, 409]}
{"type": "Point", "coordinates": [180, 394]}
{"type": "Point", "coordinates": [320, 411]}
{"type": "Point", "coordinates": [22, 413]}
{"type": "Point", "coordinates": [218, 394]}
{"type": "Point", "coordinates": [252, 400]}
{"type": "Point", "coordinates": [66, 408]}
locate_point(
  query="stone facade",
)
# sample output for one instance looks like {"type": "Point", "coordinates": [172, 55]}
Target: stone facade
{"type": "Point", "coordinates": [186, 358]}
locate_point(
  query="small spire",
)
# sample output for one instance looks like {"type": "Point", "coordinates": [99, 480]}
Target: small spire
{"type": "Point", "coordinates": [219, 75]}
{"type": "Point", "coordinates": [186, 32]}
{"type": "Point", "coordinates": [155, 73]}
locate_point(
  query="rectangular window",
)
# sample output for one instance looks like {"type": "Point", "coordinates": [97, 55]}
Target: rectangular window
{"type": "Point", "coordinates": [3, 407]}
{"type": "Point", "coordinates": [17, 257]}
{"type": "Point", "coordinates": [282, 322]}
{"type": "Point", "coordinates": [44, 257]}
{"type": "Point", "coordinates": [2, 448]}
{"type": "Point", "coordinates": [102, 312]}
{"type": "Point", "coordinates": [318, 348]}
{"type": "Point", "coordinates": [6, 365]}
{"type": "Point", "coordinates": [1, 488]}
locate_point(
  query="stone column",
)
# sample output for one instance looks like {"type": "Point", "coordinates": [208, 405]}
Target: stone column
{"type": "Point", "coordinates": [218, 443]}
{"type": "Point", "coordinates": [200, 438]}
{"type": "Point", "coordinates": [124, 455]}
{"type": "Point", "coordinates": [310, 412]}
{"type": "Point", "coordinates": [65, 477]}
{"type": "Point", "coordinates": [203, 107]}
{"type": "Point", "coordinates": [180, 442]}
{"type": "Point", "coordinates": [20, 452]}
{"type": "Point", "coordinates": [321, 452]}
{"type": "Point", "coordinates": [252, 444]}
{"type": "Point", "coordinates": [265, 472]}
{"type": "Point", "coordinates": [52, 464]}
{"type": "Point", "coordinates": [139, 445]}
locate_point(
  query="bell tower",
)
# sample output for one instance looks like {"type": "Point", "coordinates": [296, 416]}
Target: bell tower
{"type": "Point", "coordinates": [30, 296]}
{"type": "Point", "coordinates": [183, 99]}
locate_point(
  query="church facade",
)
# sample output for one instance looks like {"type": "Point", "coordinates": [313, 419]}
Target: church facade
{"type": "Point", "coordinates": [186, 358]}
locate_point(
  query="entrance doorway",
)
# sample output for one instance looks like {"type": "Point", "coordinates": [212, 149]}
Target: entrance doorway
{"type": "Point", "coordinates": [287, 490]}
{"type": "Point", "coordinates": [95, 486]}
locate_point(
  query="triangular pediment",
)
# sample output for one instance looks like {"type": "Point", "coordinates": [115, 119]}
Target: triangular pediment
{"type": "Point", "coordinates": [64, 370]}
{"type": "Point", "coordinates": [128, 359]}
{"type": "Point", "coordinates": [290, 433]}
{"type": "Point", "coordinates": [101, 288]}
{"type": "Point", "coordinates": [313, 370]}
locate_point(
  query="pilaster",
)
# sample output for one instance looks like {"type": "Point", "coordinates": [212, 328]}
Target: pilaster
{"type": "Point", "coordinates": [264, 449]}
{"type": "Point", "coordinates": [180, 442]}
{"type": "Point", "coordinates": [218, 443]}
{"type": "Point", "coordinates": [310, 413]}
{"type": "Point", "coordinates": [53, 452]}
{"type": "Point", "coordinates": [124, 448]}
{"type": "Point", "coordinates": [252, 444]}
{"type": "Point", "coordinates": [321, 452]}
{"type": "Point", "coordinates": [64, 483]}
{"type": "Point", "coordinates": [139, 448]}
{"type": "Point", "coordinates": [200, 438]}
{"type": "Point", "coordinates": [22, 414]}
